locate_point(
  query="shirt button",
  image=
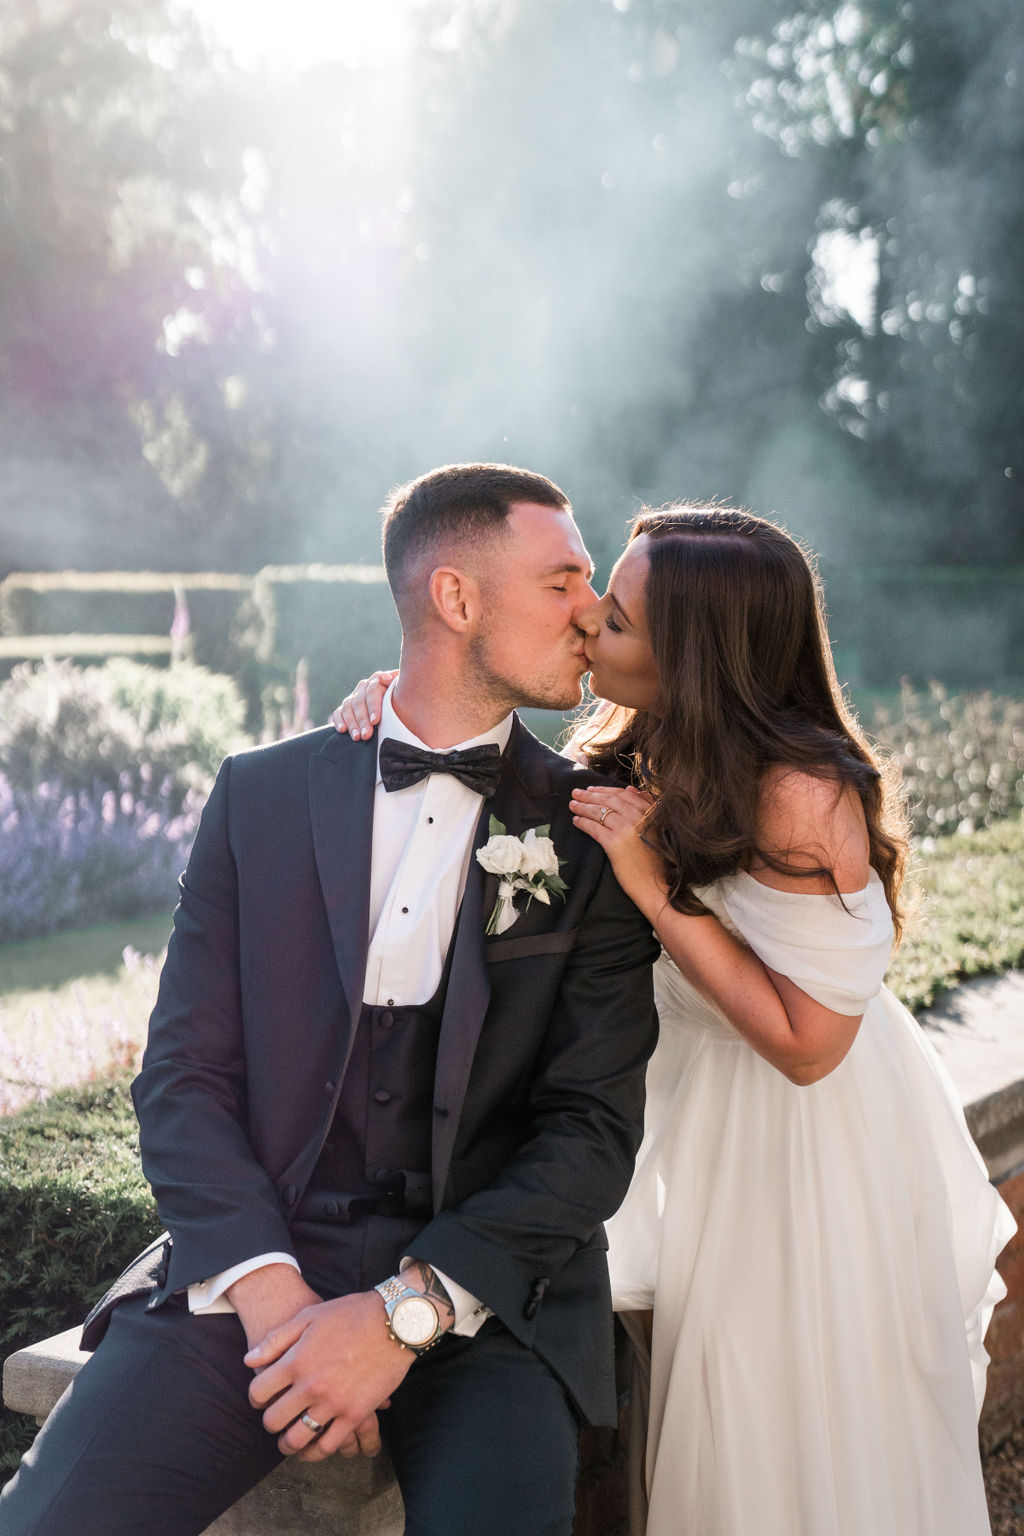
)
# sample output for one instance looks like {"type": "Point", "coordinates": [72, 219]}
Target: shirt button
{"type": "Point", "coordinates": [386, 1020]}
{"type": "Point", "coordinates": [382, 1096]}
{"type": "Point", "coordinates": [405, 911]}
{"type": "Point", "coordinates": [430, 821]}
{"type": "Point", "coordinates": [391, 1002]}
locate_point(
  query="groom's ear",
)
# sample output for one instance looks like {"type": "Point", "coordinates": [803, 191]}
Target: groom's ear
{"type": "Point", "coordinates": [455, 598]}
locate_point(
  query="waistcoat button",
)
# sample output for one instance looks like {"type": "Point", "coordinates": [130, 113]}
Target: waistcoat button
{"type": "Point", "coordinates": [382, 1096]}
{"type": "Point", "coordinates": [386, 1020]}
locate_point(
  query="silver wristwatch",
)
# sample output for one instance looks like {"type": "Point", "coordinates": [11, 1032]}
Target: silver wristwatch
{"type": "Point", "coordinates": [413, 1320]}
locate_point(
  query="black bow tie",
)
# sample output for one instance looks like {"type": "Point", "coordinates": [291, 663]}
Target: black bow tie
{"type": "Point", "coordinates": [479, 768]}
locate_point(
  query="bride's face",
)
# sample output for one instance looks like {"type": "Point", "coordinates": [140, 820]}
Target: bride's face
{"type": "Point", "coordinates": [618, 645]}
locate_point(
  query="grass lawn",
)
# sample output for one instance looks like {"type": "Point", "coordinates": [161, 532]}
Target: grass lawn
{"type": "Point", "coordinates": [74, 1007]}
{"type": "Point", "coordinates": [86, 952]}
{"type": "Point", "coordinates": [971, 915]}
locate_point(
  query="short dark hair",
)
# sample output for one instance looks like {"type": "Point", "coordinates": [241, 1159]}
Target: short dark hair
{"type": "Point", "coordinates": [455, 504]}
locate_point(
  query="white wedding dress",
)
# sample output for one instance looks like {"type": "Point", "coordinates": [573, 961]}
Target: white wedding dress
{"type": "Point", "coordinates": [820, 1260]}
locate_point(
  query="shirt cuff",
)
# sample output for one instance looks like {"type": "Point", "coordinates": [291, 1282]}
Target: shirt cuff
{"type": "Point", "coordinates": [470, 1312]}
{"type": "Point", "coordinates": [207, 1297]}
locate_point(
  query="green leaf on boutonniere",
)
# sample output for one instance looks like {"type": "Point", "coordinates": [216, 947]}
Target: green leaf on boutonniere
{"type": "Point", "coordinates": [544, 831]}
{"type": "Point", "coordinates": [495, 828]}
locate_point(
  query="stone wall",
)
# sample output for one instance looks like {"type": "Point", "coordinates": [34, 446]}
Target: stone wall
{"type": "Point", "coordinates": [979, 1033]}
{"type": "Point", "coordinates": [1004, 1399]}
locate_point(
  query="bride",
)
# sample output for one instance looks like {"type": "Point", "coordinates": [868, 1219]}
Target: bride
{"type": "Point", "coordinates": [809, 1218]}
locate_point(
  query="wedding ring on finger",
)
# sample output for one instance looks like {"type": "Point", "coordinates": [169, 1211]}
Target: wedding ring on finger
{"type": "Point", "coordinates": [606, 811]}
{"type": "Point", "coordinates": [311, 1424]}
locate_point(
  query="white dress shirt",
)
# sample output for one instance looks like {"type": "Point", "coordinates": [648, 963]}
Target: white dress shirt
{"type": "Point", "coordinates": [421, 851]}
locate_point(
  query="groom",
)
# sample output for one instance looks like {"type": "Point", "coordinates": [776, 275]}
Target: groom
{"type": "Point", "coordinates": [382, 1140]}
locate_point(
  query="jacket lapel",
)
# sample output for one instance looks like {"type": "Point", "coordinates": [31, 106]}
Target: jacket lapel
{"type": "Point", "coordinates": [522, 799]}
{"type": "Point", "coordinates": [342, 776]}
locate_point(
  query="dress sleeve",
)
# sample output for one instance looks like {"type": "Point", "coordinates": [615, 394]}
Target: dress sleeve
{"type": "Point", "coordinates": [834, 949]}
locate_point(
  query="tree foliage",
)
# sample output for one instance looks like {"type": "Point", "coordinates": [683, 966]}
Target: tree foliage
{"type": "Point", "coordinates": [656, 248]}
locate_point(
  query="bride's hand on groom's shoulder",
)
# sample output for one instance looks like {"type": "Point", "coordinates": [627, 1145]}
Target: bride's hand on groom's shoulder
{"type": "Point", "coordinates": [613, 817]}
{"type": "Point", "coordinates": [359, 711]}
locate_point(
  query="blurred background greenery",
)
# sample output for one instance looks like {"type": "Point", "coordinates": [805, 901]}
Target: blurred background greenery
{"type": "Point", "coordinates": [261, 263]}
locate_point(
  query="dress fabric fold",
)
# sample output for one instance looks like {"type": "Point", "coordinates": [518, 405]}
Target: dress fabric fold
{"type": "Point", "coordinates": [821, 1260]}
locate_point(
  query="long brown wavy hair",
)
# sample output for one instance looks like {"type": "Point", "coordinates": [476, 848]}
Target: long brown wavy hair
{"type": "Point", "coordinates": [737, 625]}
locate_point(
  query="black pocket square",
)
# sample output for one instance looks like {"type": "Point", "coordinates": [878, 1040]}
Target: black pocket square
{"type": "Point", "coordinates": [530, 944]}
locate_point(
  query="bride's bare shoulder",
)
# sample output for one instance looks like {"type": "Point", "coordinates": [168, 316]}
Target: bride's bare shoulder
{"type": "Point", "coordinates": [811, 820]}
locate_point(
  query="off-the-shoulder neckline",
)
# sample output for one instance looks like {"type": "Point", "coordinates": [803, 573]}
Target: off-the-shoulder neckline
{"type": "Point", "coordinates": [874, 883]}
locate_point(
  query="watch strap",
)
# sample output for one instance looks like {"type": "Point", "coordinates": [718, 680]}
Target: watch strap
{"type": "Point", "coordinates": [394, 1290]}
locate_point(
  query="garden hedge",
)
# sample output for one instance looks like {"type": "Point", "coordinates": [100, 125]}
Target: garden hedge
{"type": "Point", "coordinates": [75, 1210]}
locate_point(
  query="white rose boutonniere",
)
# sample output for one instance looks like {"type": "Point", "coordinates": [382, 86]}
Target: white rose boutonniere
{"type": "Point", "coordinates": [528, 863]}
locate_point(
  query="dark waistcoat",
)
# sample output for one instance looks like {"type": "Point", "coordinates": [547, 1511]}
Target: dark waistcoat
{"type": "Point", "coordinates": [370, 1192]}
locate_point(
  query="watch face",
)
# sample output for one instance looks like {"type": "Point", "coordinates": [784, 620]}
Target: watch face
{"type": "Point", "coordinates": [414, 1320]}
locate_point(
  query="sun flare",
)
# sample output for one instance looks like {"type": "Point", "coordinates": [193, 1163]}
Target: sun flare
{"type": "Point", "coordinates": [304, 32]}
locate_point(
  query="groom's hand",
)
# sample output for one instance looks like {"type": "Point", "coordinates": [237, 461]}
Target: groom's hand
{"type": "Point", "coordinates": [270, 1297]}
{"type": "Point", "coordinates": [335, 1362]}
{"type": "Point", "coordinates": [267, 1297]}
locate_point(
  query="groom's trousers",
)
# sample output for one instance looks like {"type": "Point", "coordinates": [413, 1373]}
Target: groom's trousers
{"type": "Point", "coordinates": [156, 1437]}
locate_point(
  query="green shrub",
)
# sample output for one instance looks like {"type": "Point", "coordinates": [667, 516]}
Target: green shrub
{"type": "Point", "coordinates": [190, 718]}
{"type": "Point", "coordinates": [75, 1210]}
{"type": "Point", "coordinates": [104, 771]}
{"type": "Point", "coordinates": [121, 726]}
{"type": "Point", "coordinates": [961, 756]}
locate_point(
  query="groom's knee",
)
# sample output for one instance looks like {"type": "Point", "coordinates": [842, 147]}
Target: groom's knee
{"type": "Point", "coordinates": [484, 1441]}
{"type": "Point", "coordinates": [155, 1432]}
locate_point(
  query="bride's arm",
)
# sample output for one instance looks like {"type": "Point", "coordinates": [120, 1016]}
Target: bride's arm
{"type": "Point", "coordinates": [800, 1037]}
{"type": "Point", "coordinates": [359, 711]}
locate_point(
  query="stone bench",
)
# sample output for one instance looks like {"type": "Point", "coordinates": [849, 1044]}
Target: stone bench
{"type": "Point", "coordinates": [341, 1497]}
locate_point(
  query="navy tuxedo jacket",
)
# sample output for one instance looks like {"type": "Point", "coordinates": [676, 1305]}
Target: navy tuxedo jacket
{"type": "Point", "coordinates": [539, 1086]}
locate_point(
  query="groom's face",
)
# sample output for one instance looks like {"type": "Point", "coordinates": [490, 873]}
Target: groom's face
{"type": "Point", "coordinates": [529, 648]}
